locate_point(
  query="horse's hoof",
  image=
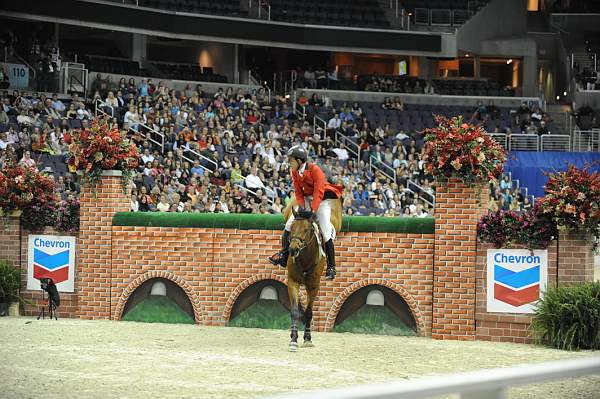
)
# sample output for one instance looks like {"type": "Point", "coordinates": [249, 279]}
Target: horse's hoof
{"type": "Point", "coordinates": [308, 344]}
{"type": "Point", "coordinates": [293, 346]}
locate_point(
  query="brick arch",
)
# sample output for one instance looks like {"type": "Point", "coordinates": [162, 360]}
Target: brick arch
{"type": "Point", "coordinates": [398, 289]}
{"type": "Point", "coordinates": [199, 313]}
{"type": "Point", "coordinates": [245, 284]}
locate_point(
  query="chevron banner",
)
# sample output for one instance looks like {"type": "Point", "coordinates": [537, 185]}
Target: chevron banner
{"type": "Point", "coordinates": [516, 279]}
{"type": "Point", "coordinates": [51, 257]}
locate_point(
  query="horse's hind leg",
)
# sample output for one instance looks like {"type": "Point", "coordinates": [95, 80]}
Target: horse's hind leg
{"type": "Point", "coordinates": [293, 292]}
{"type": "Point", "coordinates": [308, 314]}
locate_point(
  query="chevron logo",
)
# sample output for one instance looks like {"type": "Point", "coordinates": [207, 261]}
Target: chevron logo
{"type": "Point", "coordinates": [54, 266]}
{"type": "Point", "coordinates": [516, 279]}
{"type": "Point", "coordinates": [516, 288]}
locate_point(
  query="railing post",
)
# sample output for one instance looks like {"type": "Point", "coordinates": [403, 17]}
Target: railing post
{"type": "Point", "coordinates": [572, 60]}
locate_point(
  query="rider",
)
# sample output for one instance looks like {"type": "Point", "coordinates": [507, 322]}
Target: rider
{"type": "Point", "coordinates": [310, 185]}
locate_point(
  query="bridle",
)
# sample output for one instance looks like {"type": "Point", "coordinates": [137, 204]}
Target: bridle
{"type": "Point", "coordinates": [304, 243]}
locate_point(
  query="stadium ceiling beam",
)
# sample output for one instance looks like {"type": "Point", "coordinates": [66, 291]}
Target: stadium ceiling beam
{"type": "Point", "coordinates": [178, 25]}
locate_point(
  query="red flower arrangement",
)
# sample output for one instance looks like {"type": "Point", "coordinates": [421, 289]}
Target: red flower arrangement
{"type": "Point", "coordinates": [26, 189]}
{"type": "Point", "coordinates": [456, 148]}
{"type": "Point", "coordinates": [20, 186]}
{"type": "Point", "coordinates": [99, 148]}
{"type": "Point", "coordinates": [532, 229]}
{"type": "Point", "coordinates": [573, 200]}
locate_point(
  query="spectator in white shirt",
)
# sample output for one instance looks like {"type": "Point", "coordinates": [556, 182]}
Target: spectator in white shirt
{"type": "Point", "coordinates": [163, 205]}
{"type": "Point", "coordinates": [335, 122]}
{"type": "Point", "coordinates": [252, 181]}
{"type": "Point", "coordinates": [147, 157]}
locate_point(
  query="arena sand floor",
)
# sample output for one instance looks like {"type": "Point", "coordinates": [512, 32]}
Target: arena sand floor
{"type": "Point", "coordinates": [72, 358]}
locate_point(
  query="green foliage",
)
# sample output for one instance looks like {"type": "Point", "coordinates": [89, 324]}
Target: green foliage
{"type": "Point", "coordinates": [371, 319]}
{"type": "Point", "coordinates": [158, 309]}
{"type": "Point", "coordinates": [569, 317]}
{"type": "Point", "coordinates": [264, 313]}
{"type": "Point", "coordinates": [10, 282]}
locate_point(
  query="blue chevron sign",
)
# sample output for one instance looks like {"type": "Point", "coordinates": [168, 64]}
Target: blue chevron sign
{"type": "Point", "coordinates": [51, 257]}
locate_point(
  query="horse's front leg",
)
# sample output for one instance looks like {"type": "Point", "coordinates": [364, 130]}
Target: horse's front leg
{"type": "Point", "coordinates": [293, 292]}
{"type": "Point", "coordinates": [308, 314]}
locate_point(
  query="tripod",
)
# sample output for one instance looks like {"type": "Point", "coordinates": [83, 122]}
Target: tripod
{"type": "Point", "coordinates": [51, 308]}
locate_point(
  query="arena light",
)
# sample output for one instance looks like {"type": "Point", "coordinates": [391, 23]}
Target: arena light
{"type": "Point", "coordinates": [564, 93]}
{"type": "Point", "coordinates": [557, 98]}
{"type": "Point", "coordinates": [509, 61]}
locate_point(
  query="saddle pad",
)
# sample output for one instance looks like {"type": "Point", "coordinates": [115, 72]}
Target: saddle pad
{"type": "Point", "coordinates": [319, 240]}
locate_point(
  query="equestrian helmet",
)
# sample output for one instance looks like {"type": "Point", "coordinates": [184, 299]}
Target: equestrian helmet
{"type": "Point", "coordinates": [298, 152]}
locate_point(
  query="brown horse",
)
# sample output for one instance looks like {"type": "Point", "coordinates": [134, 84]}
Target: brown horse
{"type": "Point", "coordinates": [305, 267]}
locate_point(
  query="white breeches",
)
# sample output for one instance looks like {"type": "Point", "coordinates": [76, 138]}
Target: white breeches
{"type": "Point", "coordinates": [323, 218]}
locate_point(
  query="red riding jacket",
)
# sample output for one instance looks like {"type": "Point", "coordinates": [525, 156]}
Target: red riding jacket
{"type": "Point", "coordinates": [313, 182]}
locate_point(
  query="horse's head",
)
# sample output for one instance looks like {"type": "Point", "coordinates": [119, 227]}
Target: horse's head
{"type": "Point", "coordinates": [301, 234]}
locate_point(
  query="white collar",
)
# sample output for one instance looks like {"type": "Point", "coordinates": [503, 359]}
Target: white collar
{"type": "Point", "coordinates": [302, 169]}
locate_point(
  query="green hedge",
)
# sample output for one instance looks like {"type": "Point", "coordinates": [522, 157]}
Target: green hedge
{"type": "Point", "coordinates": [569, 317]}
{"type": "Point", "coordinates": [268, 222]}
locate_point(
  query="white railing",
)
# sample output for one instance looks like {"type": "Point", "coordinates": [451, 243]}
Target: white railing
{"type": "Point", "coordinates": [586, 140]}
{"type": "Point", "coordinates": [150, 130]}
{"type": "Point", "coordinates": [346, 142]}
{"type": "Point", "coordinates": [459, 17]}
{"type": "Point", "coordinates": [484, 384]}
{"type": "Point", "coordinates": [421, 16]}
{"type": "Point", "coordinates": [383, 168]}
{"type": "Point", "coordinates": [241, 187]}
{"type": "Point", "coordinates": [319, 123]}
{"type": "Point", "coordinates": [555, 142]}
{"type": "Point", "coordinates": [500, 138]}
{"type": "Point", "coordinates": [198, 156]}
{"type": "Point", "coordinates": [299, 110]}
{"type": "Point", "coordinates": [263, 8]}
{"type": "Point", "coordinates": [415, 188]}
{"type": "Point", "coordinates": [523, 142]}
{"type": "Point", "coordinates": [440, 17]}
{"type": "Point", "coordinates": [104, 105]}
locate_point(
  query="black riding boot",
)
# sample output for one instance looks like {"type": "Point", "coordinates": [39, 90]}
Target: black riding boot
{"type": "Point", "coordinates": [281, 257]}
{"type": "Point", "coordinates": [330, 252]}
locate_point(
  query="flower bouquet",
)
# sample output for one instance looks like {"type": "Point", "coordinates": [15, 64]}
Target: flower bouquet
{"type": "Point", "coordinates": [99, 148]}
{"type": "Point", "coordinates": [25, 189]}
{"type": "Point", "coordinates": [572, 200]}
{"type": "Point", "coordinates": [532, 229]}
{"type": "Point", "coordinates": [458, 149]}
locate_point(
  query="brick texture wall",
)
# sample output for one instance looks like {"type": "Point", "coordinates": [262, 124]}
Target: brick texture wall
{"type": "Point", "coordinates": [576, 258]}
{"type": "Point", "coordinates": [442, 277]}
{"type": "Point", "coordinates": [9, 239]}
{"type": "Point", "coordinates": [93, 279]}
{"type": "Point", "coordinates": [215, 265]}
{"type": "Point", "coordinates": [458, 209]}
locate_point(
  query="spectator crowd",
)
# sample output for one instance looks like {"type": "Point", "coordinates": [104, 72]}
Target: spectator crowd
{"type": "Point", "coordinates": [218, 152]}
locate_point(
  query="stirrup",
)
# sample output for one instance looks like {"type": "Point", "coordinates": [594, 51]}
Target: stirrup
{"type": "Point", "coordinates": [330, 273]}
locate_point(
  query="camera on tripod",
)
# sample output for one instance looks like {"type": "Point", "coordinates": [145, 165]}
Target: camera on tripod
{"type": "Point", "coordinates": [47, 285]}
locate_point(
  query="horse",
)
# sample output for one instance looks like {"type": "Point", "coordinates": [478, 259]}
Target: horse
{"type": "Point", "coordinates": [305, 267]}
